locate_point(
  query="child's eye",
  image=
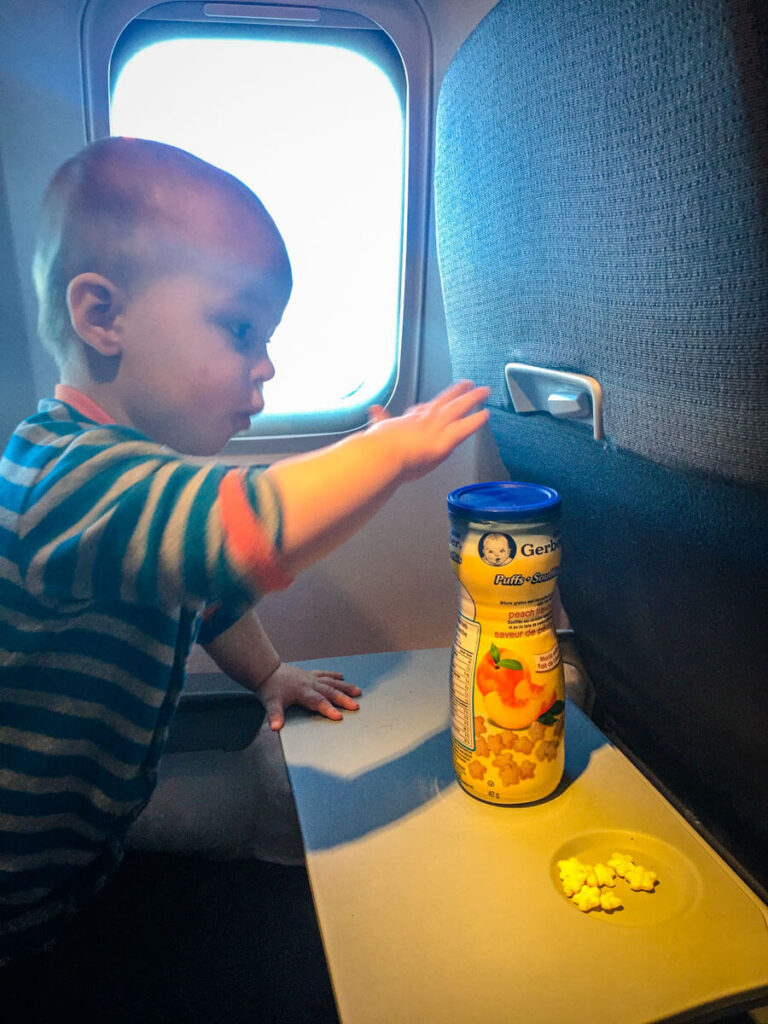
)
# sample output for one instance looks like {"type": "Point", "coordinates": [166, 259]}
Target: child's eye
{"type": "Point", "coordinates": [241, 333]}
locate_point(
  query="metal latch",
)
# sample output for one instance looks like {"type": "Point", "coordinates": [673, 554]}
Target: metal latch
{"type": "Point", "coordinates": [570, 396]}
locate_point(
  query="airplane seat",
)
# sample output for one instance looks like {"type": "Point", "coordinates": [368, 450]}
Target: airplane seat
{"type": "Point", "coordinates": [602, 208]}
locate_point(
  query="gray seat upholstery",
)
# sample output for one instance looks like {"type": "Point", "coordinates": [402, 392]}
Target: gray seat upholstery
{"type": "Point", "coordinates": [602, 207]}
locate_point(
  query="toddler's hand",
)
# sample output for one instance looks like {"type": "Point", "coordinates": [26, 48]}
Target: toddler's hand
{"type": "Point", "coordinates": [427, 433]}
{"type": "Point", "coordinates": [318, 690]}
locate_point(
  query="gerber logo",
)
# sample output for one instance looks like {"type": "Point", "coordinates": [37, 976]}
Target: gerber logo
{"type": "Point", "coordinates": [540, 549]}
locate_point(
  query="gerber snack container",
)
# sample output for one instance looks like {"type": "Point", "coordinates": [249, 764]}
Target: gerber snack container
{"type": "Point", "coordinates": [507, 686]}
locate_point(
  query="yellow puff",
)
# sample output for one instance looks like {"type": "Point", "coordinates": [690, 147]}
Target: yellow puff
{"type": "Point", "coordinates": [573, 875]}
{"type": "Point", "coordinates": [571, 865]}
{"type": "Point", "coordinates": [587, 898]}
{"type": "Point", "coordinates": [620, 862]}
{"type": "Point", "coordinates": [610, 901]}
{"type": "Point", "coordinates": [573, 884]}
{"type": "Point", "coordinates": [605, 875]}
{"type": "Point", "coordinates": [640, 879]}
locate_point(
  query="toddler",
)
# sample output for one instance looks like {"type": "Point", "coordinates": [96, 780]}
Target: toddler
{"type": "Point", "coordinates": [160, 281]}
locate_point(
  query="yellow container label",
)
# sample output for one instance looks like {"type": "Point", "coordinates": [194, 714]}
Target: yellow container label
{"type": "Point", "coordinates": [507, 685]}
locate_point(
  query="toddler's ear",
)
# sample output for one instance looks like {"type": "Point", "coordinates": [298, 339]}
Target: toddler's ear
{"type": "Point", "coordinates": [94, 304]}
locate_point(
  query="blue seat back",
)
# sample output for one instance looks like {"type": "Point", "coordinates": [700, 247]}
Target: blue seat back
{"type": "Point", "coordinates": [601, 192]}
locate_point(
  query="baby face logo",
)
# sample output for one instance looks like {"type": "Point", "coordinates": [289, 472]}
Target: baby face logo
{"type": "Point", "coordinates": [496, 549]}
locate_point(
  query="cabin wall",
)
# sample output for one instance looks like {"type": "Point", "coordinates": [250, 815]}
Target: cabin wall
{"type": "Point", "coordinates": [17, 392]}
{"type": "Point", "coordinates": [388, 588]}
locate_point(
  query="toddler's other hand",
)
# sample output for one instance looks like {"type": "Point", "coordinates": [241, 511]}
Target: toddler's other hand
{"type": "Point", "coordinates": [427, 433]}
{"type": "Point", "coordinates": [319, 690]}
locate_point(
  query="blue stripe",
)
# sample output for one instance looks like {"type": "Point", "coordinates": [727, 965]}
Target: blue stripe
{"type": "Point", "coordinates": [41, 805]}
{"type": "Point", "coordinates": [153, 622]}
{"type": "Point", "coordinates": [25, 452]}
{"type": "Point", "coordinates": [148, 574]}
{"type": "Point", "coordinates": [21, 601]}
{"type": "Point", "coordinates": [7, 544]}
{"type": "Point", "coordinates": [18, 844]}
{"type": "Point", "coordinates": [117, 535]}
{"type": "Point", "coordinates": [81, 687]}
{"type": "Point", "coordinates": [58, 427]}
{"type": "Point", "coordinates": [46, 722]}
{"type": "Point", "coordinates": [13, 496]}
{"type": "Point", "coordinates": [251, 478]}
{"type": "Point", "coordinates": [87, 492]}
{"type": "Point", "coordinates": [65, 463]}
{"type": "Point", "coordinates": [37, 765]}
{"type": "Point", "coordinates": [71, 508]}
{"type": "Point", "coordinates": [67, 511]}
{"type": "Point", "coordinates": [49, 876]}
{"type": "Point", "coordinates": [75, 642]}
{"type": "Point", "coordinates": [195, 568]}
{"type": "Point", "coordinates": [60, 567]}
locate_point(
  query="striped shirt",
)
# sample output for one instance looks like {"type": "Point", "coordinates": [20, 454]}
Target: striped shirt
{"type": "Point", "coordinates": [115, 555]}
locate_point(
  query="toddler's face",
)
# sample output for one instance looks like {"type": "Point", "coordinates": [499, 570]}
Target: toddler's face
{"type": "Point", "coordinates": [194, 354]}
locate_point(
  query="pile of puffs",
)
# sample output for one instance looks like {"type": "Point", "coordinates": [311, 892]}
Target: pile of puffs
{"type": "Point", "coordinates": [590, 887]}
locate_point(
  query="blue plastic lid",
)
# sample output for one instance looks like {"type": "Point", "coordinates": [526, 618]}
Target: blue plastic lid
{"type": "Point", "coordinates": [503, 500]}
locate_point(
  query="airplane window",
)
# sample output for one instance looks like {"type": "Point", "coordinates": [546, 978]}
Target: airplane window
{"type": "Point", "coordinates": [317, 130]}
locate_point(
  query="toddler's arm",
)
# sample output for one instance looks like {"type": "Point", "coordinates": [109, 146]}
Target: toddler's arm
{"type": "Point", "coordinates": [245, 653]}
{"type": "Point", "coordinates": [328, 495]}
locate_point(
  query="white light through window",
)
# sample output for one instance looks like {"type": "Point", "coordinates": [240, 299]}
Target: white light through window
{"type": "Point", "coordinates": [316, 131]}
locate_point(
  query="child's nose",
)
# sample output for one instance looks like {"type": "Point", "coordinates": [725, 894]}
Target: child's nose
{"type": "Point", "coordinates": [262, 369]}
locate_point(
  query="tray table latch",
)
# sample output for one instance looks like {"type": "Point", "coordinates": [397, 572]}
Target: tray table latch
{"type": "Point", "coordinates": [565, 395]}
